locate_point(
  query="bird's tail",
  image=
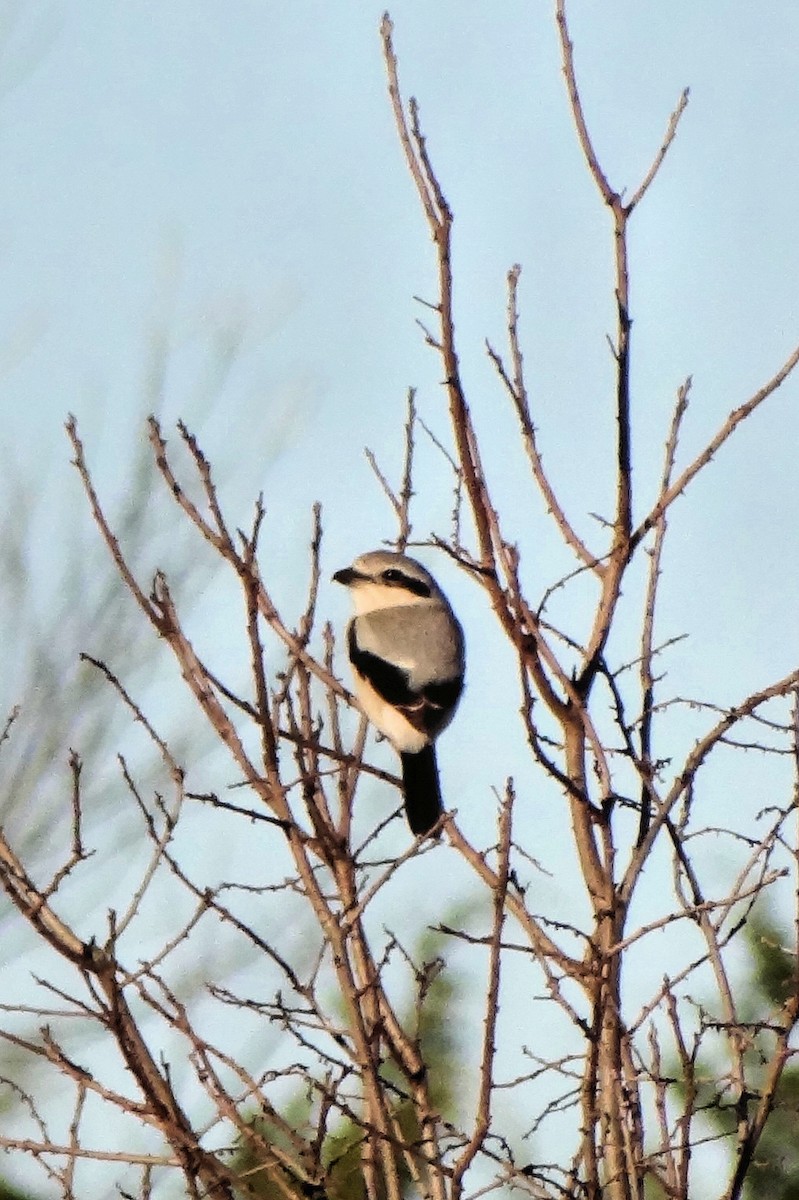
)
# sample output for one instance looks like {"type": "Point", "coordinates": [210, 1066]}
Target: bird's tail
{"type": "Point", "coordinates": [422, 791]}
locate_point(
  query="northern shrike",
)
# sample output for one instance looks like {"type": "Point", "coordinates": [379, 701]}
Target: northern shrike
{"type": "Point", "coordinates": [406, 652]}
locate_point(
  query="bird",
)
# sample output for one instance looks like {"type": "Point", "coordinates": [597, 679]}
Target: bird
{"type": "Point", "coordinates": [406, 651]}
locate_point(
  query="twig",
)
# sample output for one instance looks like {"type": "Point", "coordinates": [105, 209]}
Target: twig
{"type": "Point", "coordinates": [483, 1116]}
{"type": "Point", "coordinates": [648, 631]}
{"type": "Point", "coordinates": [735, 418]}
{"type": "Point", "coordinates": [517, 389]}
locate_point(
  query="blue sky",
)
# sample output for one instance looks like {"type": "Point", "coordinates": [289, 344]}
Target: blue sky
{"type": "Point", "coordinates": [182, 167]}
{"type": "Point", "coordinates": [178, 176]}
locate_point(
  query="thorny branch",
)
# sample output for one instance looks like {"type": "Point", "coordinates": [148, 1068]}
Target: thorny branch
{"type": "Point", "coordinates": [613, 1147]}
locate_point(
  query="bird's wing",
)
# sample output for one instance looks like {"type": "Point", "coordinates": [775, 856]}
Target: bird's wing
{"type": "Point", "coordinates": [424, 640]}
{"type": "Point", "coordinates": [423, 708]}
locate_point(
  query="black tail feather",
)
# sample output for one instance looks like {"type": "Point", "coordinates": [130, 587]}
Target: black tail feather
{"type": "Point", "coordinates": [422, 791]}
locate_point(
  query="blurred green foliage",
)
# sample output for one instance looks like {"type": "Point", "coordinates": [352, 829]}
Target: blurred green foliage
{"type": "Point", "coordinates": [432, 1015]}
{"type": "Point", "coordinates": [771, 980]}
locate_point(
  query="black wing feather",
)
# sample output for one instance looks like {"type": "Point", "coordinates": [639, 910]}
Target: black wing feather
{"type": "Point", "coordinates": [426, 709]}
{"type": "Point", "coordinates": [446, 694]}
{"type": "Point", "coordinates": [388, 680]}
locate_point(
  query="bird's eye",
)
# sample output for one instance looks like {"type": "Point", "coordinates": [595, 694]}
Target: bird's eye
{"type": "Point", "coordinates": [398, 579]}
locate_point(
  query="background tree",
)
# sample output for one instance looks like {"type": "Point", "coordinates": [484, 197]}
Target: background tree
{"type": "Point", "coordinates": [762, 999]}
{"type": "Point", "coordinates": [612, 973]}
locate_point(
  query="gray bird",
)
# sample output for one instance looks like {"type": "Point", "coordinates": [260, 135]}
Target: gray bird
{"type": "Point", "coordinates": [407, 656]}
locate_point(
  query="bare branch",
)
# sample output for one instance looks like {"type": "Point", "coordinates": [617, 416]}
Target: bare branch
{"type": "Point", "coordinates": [736, 417]}
{"type": "Point", "coordinates": [671, 133]}
{"type": "Point", "coordinates": [517, 390]}
{"type": "Point", "coordinates": [567, 52]}
{"type": "Point", "coordinates": [483, 1116]}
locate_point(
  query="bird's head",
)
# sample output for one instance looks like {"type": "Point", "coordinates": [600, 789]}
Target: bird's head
{"type": "Point", "coordinates": [384, 579]}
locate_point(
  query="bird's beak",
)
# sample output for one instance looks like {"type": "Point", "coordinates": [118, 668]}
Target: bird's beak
{"type": "Point", "coordinates": [347, 576]}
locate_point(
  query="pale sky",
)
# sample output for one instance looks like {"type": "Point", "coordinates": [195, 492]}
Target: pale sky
{"type": "Point", "coordinates": [196, 171]}
{"type": "Point", "coordinates": [183, 166]}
